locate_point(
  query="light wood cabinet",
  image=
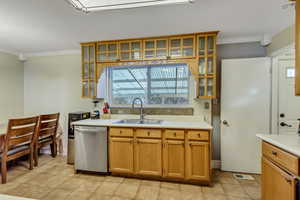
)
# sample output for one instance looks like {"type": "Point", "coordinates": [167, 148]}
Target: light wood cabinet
{"type": "Point", "coordinates": [164, 153]}
{"type": "Point", "coordinates": [182, 47]}
{"type": "Point", "coordinates": [148, 157]}
{"type": "Point", "coordinates": [155, 49]}
{"type": "Point", "coordinates": [197, 50]}
{"type": "Point", "coordinates": [89, 75]}
{"type": "Point", "coordinates": [107, 51]}
{"type": "Point", "coordinates": [206, 53]}
{"type": "Point", "coordinates": [121, 155]}
{"type": "Point", "coordinates": [197, 161]}
{"type": "Point", "coordinates": [174, 156]}
{"type": "Point", "coordinates": [130, 50]}
{"type": "Point", "coordinates": [276, 183]}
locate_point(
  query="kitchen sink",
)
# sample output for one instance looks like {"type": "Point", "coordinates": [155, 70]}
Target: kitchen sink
{"type": "Point", "coordinates": [138, 121]}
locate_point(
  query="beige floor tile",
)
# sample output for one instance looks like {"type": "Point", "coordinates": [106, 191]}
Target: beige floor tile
{"type": "Point", "coordinates": [54, 179]}
{"type": "Point", "coordinates": [228, 180]}
{"type": "Point", "coordinates": [57, 194]}
{"type": "Point", "coordinates": [95, 196]}
{"type": "Point", "coordinates": [114, 179]}
{"type": "Point", "coordinates": [169, 194]}
{"type": "Point", "coordinates": [119, 198]}
{"type": "Point", "coordinates": [248, 182]}
{"type": "Point", "coordinates": [253, 191]}
{"type": "Point", "coordinates": [127, 190]}
{"type": "Point", "coordinates": [132, 181]}
{"type": "Point", "coordinates": [190, 188]}
{"type": "Point", "coordinates": [192, 195]}
{"type": "Point", "coordinates": [35, 191]}
{"type": "Point", "coordinates": [89, 186]}
{"type": "Point", "coordinates": [93, 178]}
{"type": "Point", "coordinates": [234, 190]}
{"type": "Point", "coordinates": [71, 184]}
{"type": "Point", "coordinates": [79, 195]}
{"type": "Point", "coordinates": [211, 196]}
{"type": "Point", "coordinates": [237, 198]}
{"type": "Point", "coordinates": [216, 188]}
{"type": "Point", "coordinates": [147, 193]}
{"type": "Point", "coordinates": [107, 188]}
{"type": "Point", "coordinates": [174, 186]}
{"type": "Point", "coordinates": [151, 183]}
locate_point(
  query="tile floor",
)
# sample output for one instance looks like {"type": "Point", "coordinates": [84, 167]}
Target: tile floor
{"type": "Point", "coordinates": [55, 180]}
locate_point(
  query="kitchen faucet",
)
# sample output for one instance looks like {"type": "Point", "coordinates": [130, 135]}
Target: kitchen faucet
{"type": "Point", "coordinates": [141, 108]}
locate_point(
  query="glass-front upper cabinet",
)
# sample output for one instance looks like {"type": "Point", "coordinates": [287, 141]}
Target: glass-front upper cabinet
{"type": "Point", "coordinates": [130, 50]}
{"type": "Point", "coordinates": [89, 75]}
{"type": "Point", "coordinates": [206, 54]}
{"type": "Point", "coordinates": [182, 47]}
{"type": "Point", "coordinates": [107, 51]}
{"type": "Point", "coordinates": [155, 49]}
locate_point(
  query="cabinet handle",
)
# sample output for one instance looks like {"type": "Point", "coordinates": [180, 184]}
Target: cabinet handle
{"type": "Point", "coordinates": [174, 134]}
{"type": "Point", "coordinates": [199, 135]}
{"type": "Point", "coordinates": [274, 153]}
{"type": "Point", "coordinates": [148, 133]}
{"type": "Point", "coordinates": [120, 132]}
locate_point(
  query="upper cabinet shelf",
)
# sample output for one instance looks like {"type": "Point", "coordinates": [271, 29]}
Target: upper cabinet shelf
{"type": "Point", "coordinates": [158, 48]}
{"type": "Point", "coordinates": [197, 49]}
{"type": "Point", "coordinates": [89, 75]}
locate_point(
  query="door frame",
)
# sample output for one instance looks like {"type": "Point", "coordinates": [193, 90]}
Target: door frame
{"type": "Point", "coordinates": [285, 53]}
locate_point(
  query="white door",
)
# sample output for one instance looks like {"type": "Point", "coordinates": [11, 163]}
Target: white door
{"type": "Point", "coordinates": [245, 111]}
{"type": "Point", "coordinates": [288, 103]}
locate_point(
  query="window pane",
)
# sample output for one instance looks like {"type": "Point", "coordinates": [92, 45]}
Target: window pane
{"type": "Point", "coordinates": [155, 84]}
{"type": "Point", "coordinates": [127, 84]}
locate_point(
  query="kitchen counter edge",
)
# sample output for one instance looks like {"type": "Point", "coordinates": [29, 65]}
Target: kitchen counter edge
{"type": "Point", "coordinates": [165, 124]}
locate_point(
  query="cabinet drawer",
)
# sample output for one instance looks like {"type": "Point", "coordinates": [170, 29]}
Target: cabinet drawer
{"type": "Point", "coordinates": [198, 135]}
{"type": "Point", "coordinates": [283, 158]}
{"type": "Point", "coordinates": [174, 134]}
{"type": "Point", "coordinates": [148, 133]}
{"type": "Point", "coordinates": [121, 132]}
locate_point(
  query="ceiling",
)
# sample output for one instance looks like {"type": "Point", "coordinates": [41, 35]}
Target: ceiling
{"type": "Point", "coordinates": [35, 26]}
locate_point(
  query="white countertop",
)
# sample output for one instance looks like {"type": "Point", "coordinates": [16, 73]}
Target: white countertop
{"type": "Point", "coordinates": [290, 143]}
{"type": "Point", "coordinates": [164, 124]}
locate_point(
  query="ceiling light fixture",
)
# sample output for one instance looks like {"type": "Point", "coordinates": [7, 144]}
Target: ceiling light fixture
{"type": "Point", "coordinates": [87, 6]}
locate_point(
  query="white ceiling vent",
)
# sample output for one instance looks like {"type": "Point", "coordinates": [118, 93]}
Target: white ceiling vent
{"type": "Point", "coordinates": [97, 5]}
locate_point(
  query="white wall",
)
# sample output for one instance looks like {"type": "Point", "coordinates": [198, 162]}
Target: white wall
{"type": "Point", "coordinates": [53, 84]}
{"type": "Point", "coordinates": [11, 87]}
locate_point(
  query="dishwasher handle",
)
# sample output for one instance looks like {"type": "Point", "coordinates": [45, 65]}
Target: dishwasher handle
{"type": "Point", "coordinates": [89, 129]}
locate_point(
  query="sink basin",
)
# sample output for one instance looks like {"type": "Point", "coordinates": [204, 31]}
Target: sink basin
{"type": "Point", "coordinates": [137, 121]}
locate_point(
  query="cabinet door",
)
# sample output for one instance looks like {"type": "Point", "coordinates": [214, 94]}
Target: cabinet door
{"type": "Point", "coordinates": [276, 183]}
{"type": "Point", "coordinates": [148, 157]}
{"type": "Point", "coordinates": [174, 156]}
{"type": "Point", "coordinates": [198, 161]}
{"type": "Point", "coordinates": [121, 155]}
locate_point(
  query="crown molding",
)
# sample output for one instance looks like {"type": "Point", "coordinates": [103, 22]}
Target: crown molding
{"type": "Point", "coordinates": [235, 40]}
{"type": "Point", "coordinates": [9, 52]}
{"type": "Point", "coordinates": [54, 53]}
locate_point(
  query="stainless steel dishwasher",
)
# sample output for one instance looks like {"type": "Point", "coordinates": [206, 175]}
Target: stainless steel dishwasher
{"type": "Point", "coordinates": [91, 149]}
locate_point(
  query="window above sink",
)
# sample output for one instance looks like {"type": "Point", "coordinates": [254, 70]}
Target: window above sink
{"type": "Point", "coordinates": [157, 85]}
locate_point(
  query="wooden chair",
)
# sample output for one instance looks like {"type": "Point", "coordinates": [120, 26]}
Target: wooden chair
{"type": "Point", "coordinates": [46, 135]}
{"type": "Point", "coordinates": [19, 141]}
